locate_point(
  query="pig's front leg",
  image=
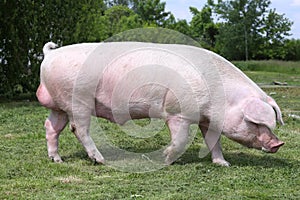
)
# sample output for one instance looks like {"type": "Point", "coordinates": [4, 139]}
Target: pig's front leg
{"type": "Point", "coordinates": [80, 127]}
{"type": "Point", "coordinates": [215, 148]}
{"type": "Point", "coordinates": [54, 124]}
{"type": "Point", "coordinates": [179, 130]}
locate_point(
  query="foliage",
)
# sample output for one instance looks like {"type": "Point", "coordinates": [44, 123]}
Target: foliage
{"type": "Point", "coordinates": [203, 27]}
{"type": "Point", "coordinates": [153, 35]}
{"type": "Point", "coordinates": [111, 3]}
{"type": "Point", "coordinates": [151, 11]}
{"type": "Point", "coordinates": [26, 25]}
{"type": "Point", "coordinates": [275, 29]}
{"type": "Point", "coordinates": [293, 49]}
{"type": "Point", "coordinates": [181, 26]}
{"type": "Point", "coordinates": [120, 18]}
{"type": "Point", "coordinates": [250, 30]}
{"type": "Point", "coordinates": [27, 173]}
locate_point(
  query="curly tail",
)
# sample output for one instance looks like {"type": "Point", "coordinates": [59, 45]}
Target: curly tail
{"type": "Point", "coordinates": [48, 47]}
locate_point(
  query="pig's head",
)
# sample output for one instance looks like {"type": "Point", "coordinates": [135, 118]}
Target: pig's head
{"type": "Point", "coordinates": [251, 123]}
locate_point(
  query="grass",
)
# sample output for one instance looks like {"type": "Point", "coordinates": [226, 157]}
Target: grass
{"type": "Point", "coordinates": [285, 67]}
{"type": "Point", "coordinates": [267, 78]}
{"type": "Point", "coordinates": [266, 72]}
{"type": "Point", "coordinates": [26, 172]}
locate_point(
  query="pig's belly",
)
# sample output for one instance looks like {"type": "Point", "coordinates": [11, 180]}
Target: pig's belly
{"type": "Point", "coordinates": [134, 110]}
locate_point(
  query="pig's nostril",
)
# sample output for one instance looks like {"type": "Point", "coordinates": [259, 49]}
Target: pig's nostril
{"type": "Point", "coordinates": [275, 148]}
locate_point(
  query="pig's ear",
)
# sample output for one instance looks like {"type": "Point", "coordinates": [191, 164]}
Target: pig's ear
{"type": "Point", "coordinates": [272, 102]}
{"type": "Point", "coordinates": [259, 112]}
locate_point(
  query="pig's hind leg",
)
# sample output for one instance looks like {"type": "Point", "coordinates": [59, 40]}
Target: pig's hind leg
{"type": "Point", "coordinates": [179, 130]}
{"type": "Point", "coordinates": [54, 124]}
{"type": "Point", "coordinates": [80, 127]}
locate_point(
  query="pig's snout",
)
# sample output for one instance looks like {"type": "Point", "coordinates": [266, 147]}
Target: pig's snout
{"type": "Point", "coordinates": [273, 147]}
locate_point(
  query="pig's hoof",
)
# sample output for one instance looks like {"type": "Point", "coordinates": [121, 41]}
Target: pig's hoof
{"type": "Point", "coordinates": [98, 159]}
{"type": "Point", "coordinates": [56, 159]}
{"type": "Point", "coordinates": [168, 161]}
{"type": "Point", "coordinates": [221, 162]}
{"type": "Point", "coordinates": [101, 161]}
{"type": "Point", "coordinates": [170, 155]}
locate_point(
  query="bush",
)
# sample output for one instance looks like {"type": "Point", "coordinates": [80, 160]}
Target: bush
{"type": "Point", "coordinates": [293, 50]}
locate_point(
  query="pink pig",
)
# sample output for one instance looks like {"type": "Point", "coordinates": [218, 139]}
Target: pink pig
{"type": "Point", "coordinates": [180, 84]}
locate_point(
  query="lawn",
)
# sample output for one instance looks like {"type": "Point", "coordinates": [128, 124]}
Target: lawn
{"type": "Point", "coordinates": [26, 172]}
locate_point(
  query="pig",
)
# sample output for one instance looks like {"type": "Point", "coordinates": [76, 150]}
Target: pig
{"type": "Point", "coordinates": [77, 83]}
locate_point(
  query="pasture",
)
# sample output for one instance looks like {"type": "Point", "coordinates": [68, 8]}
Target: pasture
{"type": "Point", "coordinates": [27, 173]}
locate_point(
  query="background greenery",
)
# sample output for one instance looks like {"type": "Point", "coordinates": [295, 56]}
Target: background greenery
{"type": "Point", "coordinates": [27, 173]}
{"type": "Point", "coordinates": [239, 30]}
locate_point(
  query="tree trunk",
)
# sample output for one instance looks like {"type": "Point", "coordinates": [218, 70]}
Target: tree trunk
{"type": "Point", "coordinates": [246, 43]}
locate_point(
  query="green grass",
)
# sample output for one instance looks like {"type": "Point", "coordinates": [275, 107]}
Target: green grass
{"type": "Point", "coordinates": [284, 67]}
{"type": "Point", "coordinates": [266, 72]}
{"type": "Point", "coordinates": [26, 172]}
{"type": "Point", "coordinates": [267, 78]}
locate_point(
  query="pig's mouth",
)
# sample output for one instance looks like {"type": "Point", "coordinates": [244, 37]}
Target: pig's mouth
{"type": "Point", "coordinates": [273, 148]}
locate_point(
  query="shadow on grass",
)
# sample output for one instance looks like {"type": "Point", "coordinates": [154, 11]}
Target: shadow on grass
{"type": "Point", "coordinates": [240, 159]}
{"type": "Point", "coordinates": [263, 160]}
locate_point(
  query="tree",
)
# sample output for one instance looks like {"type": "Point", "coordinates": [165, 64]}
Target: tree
{"type": "Point", "coordinates": [120, 18]}
{"type": "Point", "coordinates": [111, 3]}
{"type": "Point", "coordinates": [243, 28]}
{"type": "Point", "coordinates": [203, 28]}
{"type": "Point", "coordinates": [181, 26]}
{"type": "Point", "coordinates": [275, 29]}
{"type": "Point", "coordinates": [293, 49]}
{"type": "Point", "coordinates": [88, 26]}
{"type": "Point", "coordinates": [26, 25]}
{"type": "Point", "coordinates": [151, 11]}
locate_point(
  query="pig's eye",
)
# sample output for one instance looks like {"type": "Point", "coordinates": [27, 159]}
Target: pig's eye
{"type": "Point", "coordinates": [264, 129]}
{"type": "Point", "coordinates": [252, 124]}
